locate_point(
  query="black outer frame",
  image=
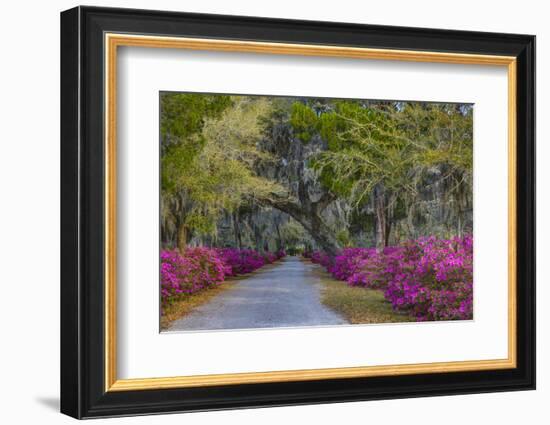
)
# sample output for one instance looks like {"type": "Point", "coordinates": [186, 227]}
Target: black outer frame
{"type": "Point", "coordinates": [82, 212]}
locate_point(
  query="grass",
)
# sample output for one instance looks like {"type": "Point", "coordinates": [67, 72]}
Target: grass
{"type": "Point", "coordinates": [358, 305]}
{"type": "Point", "coordinates": [188, 303]}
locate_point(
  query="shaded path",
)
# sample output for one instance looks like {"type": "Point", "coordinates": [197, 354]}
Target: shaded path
{"type": "Point", "coordinates": [287, 294]}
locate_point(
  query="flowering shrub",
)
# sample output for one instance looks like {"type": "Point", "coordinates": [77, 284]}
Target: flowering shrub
{"type": "Point", "coordinates": [270, 257]}
{"type": "Point", "coordinates": [280, 254]}
{"type": "Point", "coordinates": [434, 280]}
{"type": "Point", "coordinates": [428, 278]}
{"type": "Point", "coordinates": [319, 257]}
{"type": "Point", "coordinates": [199, 268]}
{"type": "Point", "coordinates": [196, 269]}
{"type": "Point", "coordinates": [241, 261]}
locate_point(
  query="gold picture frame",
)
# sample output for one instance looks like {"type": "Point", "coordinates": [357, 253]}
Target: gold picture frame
{"type": "Point", "coordinates": [91, 40]}
{"type": "Point", "coordinates": [113, 41]}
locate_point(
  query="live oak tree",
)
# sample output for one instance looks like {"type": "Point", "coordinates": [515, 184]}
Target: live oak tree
{"type": "Point", "coordinates": [209, 145]}
{"type": "Point", "coordinates": [385, 152]}
{"type": "Point", "coordinates": [182, 119]}
{"type": "Point", "coordinates": [339, 168]}
{"type": "Point", "coordinates": [303, 198]}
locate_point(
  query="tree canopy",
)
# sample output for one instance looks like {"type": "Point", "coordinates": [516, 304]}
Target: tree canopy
{"type": "Point", "coordinates": [343, 171]}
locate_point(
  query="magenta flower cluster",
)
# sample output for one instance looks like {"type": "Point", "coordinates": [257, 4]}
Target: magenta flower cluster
{"type": "Point", "coordinates": [241, 261]}
{"type": "Point", "coordinates": [429, 278]}
{"type": "Point", "coordinates": [201, 267]}
{"type": "Point", "coordinates": [197, 269]}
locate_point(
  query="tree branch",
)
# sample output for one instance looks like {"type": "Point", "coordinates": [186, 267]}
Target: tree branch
{"type": "Point", "coordinates": [324, 201]}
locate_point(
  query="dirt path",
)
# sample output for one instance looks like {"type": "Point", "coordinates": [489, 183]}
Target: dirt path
{"type": "Point", "coordinates": [285, 295]}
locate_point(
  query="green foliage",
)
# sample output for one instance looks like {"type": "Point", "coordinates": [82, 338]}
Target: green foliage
{"type": "Point", "coordinates": [387, 144]}
{"type": "Point", "coordinates": [293, 234]}
{"type": "Point", "coordinates": [221, 154]}
{"type": "Point", "coordinates": [182, 119]}
{"type": "Point", "coordinates": [391, 152]}
{"type": "Point", "coordinates": [200, 223]}
{"type": "Point", "coordinates": [209, 160]}
{"type": "Point", "coordinates": [303, 121]}
{"type": "Point", "coordinates": [183, 115]}
{"type": "Point", "coordinates": [343, 237]}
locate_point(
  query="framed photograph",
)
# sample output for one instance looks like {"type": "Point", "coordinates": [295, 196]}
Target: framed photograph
{"type": "Point", "coordinates": [261, 212]}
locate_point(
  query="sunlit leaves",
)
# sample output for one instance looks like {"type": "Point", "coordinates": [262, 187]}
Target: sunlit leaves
{"type": "Point", "coordinates": [183, 114]}
{"type": "Point", "coordinates": [303, 120]}
{"type": "Point", "coordinates": [210, 155]}
{"type": "Point", "coordinates": [387, 143]}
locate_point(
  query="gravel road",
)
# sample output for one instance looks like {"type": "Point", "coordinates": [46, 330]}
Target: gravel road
{"type": "Point", "coordinates": [284, 295]}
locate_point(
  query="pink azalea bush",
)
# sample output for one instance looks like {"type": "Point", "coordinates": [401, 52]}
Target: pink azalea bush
{"type": "Point", "coordinates": [241, 261]}
{"type": "Point", "coordinates": [280, 254]}
{"type": "Point", "coordinates": [199, 268]}
{"type": "Point", "coordinates": [270, 257]}
{"type": "Point", "coordinates": [319, 257]}
{"type": "Point", "coordinates": [429, 278]}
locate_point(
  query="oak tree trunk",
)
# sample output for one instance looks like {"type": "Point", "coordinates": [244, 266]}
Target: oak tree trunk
{"type": "Point", "coordinates": [237, 230]}
{"type": "Point", "coordinates": [309, 216]}
{"type": "Point", "coordinates": [381, 218]}
{"type": "Point", "coordinates": [181, 237]}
